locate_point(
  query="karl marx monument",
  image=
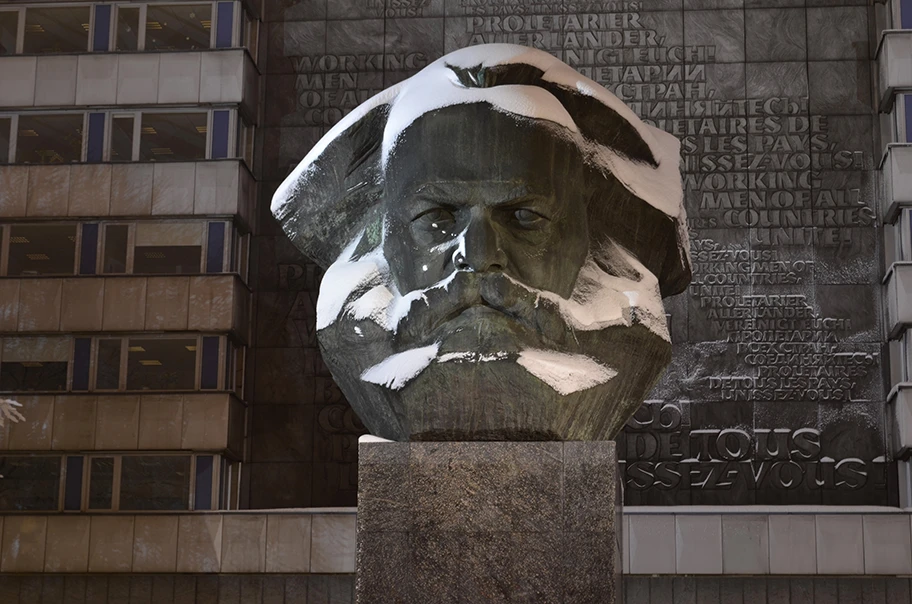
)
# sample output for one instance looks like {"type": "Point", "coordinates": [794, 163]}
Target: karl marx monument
{"type": "Point", "coordinates": [498, 232]}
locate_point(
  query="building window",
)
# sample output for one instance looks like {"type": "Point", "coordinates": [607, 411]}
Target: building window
{"type": "Point", "coordinates": [168, 248]}
{"type": "Point", "coordinates": [49, 139]}
{"type": "Point", "coordinates": [905, 14]}
{"type": "Point", "coordinates": [251, 34]}
{"type": "Point", "coordinates": [29, 483]}
{"type": "Point", "coordinates": [175, 247]}
{"type": "Point", "coordinates": [108, 363]}
{"type": "Point", "coordinates": [88, 254]}
{"type": "Point", "coordinates": [178, 27]}
{"type": "Point", "coordinates": [149, 26]}
{"type": "Point", "coordinates": [161, 364]}
{"type": "Point", "coordinates": [122, 138]}
{"type": "Point", "coordinates": [101, 483]}
{"type": "Point", "coordinates": [38, 249]}
{"type": "Point", "coordinates": [6, 138]}
{"type": "Point", "coordinates": [173, 136]}
{"type": "Point", "coordinates": [9, 30]}
{"type": "Point", "coordinates": [145, 363]}
{"type": "Point", "coordinates": [82, 353]}
{"type": "Point", "coordinates": [57, 29]}
{"type": "Point", "coordinates": [95, 139]}
{"type": "Point", "coordinates": [245, 142]}
{"type": "Point", "coordinates": [116, 482]}
{"type": "Point", "coordinates": [34, 364]}
{"type": "Point", "coordinates": [224, 34]}
{"type": "Point", "coordinates": [126, 36]}
{"type": "Point", "coordinates": [102, 27]}
{"type": "Point", "coordinates": [116, 241]}
{"type": "Point", "coordinates": [155, 482]}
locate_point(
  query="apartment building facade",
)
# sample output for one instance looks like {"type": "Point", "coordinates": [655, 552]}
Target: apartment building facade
{"type": "Point", "coordinates": [183, 441]}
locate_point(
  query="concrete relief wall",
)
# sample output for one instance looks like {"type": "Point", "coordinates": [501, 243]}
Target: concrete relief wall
{"type": "Point", "coordinates": [776, 393]}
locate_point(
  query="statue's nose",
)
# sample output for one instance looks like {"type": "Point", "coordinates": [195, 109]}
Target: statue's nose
{"type": "Point", "coordinates": [480, 250]}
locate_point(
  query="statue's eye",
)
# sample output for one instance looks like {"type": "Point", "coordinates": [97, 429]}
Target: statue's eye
{"type": "Point", "coordinates": [529, 219]}
{"type": "Point", "coordinates": [436, 220]}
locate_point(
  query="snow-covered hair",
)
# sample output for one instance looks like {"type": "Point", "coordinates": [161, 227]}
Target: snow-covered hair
{"type": "Point", "coordinates": [325, 202]}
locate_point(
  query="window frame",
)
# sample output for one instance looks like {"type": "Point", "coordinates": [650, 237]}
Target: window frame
{"type": "Point", "coordinates": [20, 42]}
{"type": "Point", "coordinates": [224, 382]}
{"type": "Point", "coordinates": [116, 7]}
{"type": "Point", "coordinates": [234, 132]}
{"type": "Point", "coordinates": [225, 493]}
{"type": "Point", "coordinates": [235, 252]}
{"type": "Point", "coordinates": [70, 342]}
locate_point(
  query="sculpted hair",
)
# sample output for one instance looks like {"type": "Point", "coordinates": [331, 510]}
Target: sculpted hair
{"type": "Point", "coordinates": [334, 194]}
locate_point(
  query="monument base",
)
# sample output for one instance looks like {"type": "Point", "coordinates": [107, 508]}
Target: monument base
{"type": "Point", "coordinates": [488, 522]}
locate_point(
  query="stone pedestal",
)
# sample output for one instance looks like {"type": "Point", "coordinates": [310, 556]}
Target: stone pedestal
{"type": "Point", "coordinates": [488, 522]}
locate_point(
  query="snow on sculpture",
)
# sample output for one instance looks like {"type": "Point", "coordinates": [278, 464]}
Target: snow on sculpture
{"type": "Point", "coordinates": [498, 232]}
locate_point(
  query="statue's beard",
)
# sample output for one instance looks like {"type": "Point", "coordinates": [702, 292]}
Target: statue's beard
{"type": "Point", "coordinates": [471, 317]}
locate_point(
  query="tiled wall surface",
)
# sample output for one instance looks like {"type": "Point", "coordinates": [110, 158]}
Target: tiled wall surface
{"type": "Point", "coordinates": [741, 590]}
{"type": "Point", "coordinates": [321, 542]}
{"type": "Point", "coordinates": [792, 541]}
{"type": "Point", "coordinates": [213, 76]}
{"type": "Point", "coordinates": [127, 422]}
{"type": "Point", "coordinates": [219, 187]}
{"type": "Point", "coordinates": [177, 589]}
{"type": "Point", "coordinates": [339, 589]}
{"type": "Point", "coordinates": [785, 541]}
{"type": "Point", "coordinates": [201, 303]}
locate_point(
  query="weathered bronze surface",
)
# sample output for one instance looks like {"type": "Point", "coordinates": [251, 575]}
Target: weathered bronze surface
{"type": "Point", "coordinates": [492, 274]}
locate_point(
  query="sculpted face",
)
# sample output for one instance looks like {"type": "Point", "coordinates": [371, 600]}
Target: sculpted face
{"type": "Point", "coordinates": [482, 312]}
{"type": "Point", "coordinates": [498, 232]}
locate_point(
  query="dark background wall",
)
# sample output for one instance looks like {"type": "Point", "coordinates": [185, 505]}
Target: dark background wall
{"type": "Point", "coordinates": [776, 393]}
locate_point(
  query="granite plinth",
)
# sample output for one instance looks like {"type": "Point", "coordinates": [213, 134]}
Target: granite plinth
{"type": "Point", "coordinates": [488, 522]}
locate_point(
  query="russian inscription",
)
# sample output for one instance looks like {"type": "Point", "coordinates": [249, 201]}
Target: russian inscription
{"type": "Point", "coordinates": [775, 392]}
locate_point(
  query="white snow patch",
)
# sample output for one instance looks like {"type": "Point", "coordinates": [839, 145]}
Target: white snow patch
{"type": "Point", "coordinates": [436, 87]}
{"type": "Point", "coordinates": [565, 373]}
{"type": "Point", "coordinates": [370, 438]}
{"type": "Point", "coordinates": [599, 299]}
{"type": "Point", "coordinates": [471, 357]}
{"type": "Point", "coordinates": [399, 369]}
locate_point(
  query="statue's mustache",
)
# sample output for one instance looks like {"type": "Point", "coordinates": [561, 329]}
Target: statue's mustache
{"type": "Point", "coordinates": [430, 315]}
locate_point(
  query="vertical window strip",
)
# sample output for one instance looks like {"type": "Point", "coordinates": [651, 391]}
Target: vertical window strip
{"type": "Point", "coordinates": [203, 493]}
{"type": "Point", "coordinates": [209, 365]}
{"type": "Point", "coordinates": [95, 144]}
{"type": "Point", "coordinates": [907, 118]}
{"type": "Point", "coordinates": [72, 498]}
{"type": "Point", "coordinates": [220, 124]}
{"type": "Point", "coordinates": [88, 255]}
{"type": "Point", "coordinates": [215, 248]}
{"type": "Point", "coordinates": [81, 356]}
{"type": "Point", "coordinates": [905, 14]}
{"type": "Point", "coordinates": [225, 25]}
{"type": "Point", "coordinates": [101, 38]}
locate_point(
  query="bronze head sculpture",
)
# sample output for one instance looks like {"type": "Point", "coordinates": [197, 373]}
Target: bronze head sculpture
{"type": "Point", "coordinates": [498, 233]}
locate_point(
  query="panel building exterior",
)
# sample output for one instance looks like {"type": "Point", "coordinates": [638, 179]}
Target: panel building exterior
{"type": "Point", "coordinates": [183, 441]}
